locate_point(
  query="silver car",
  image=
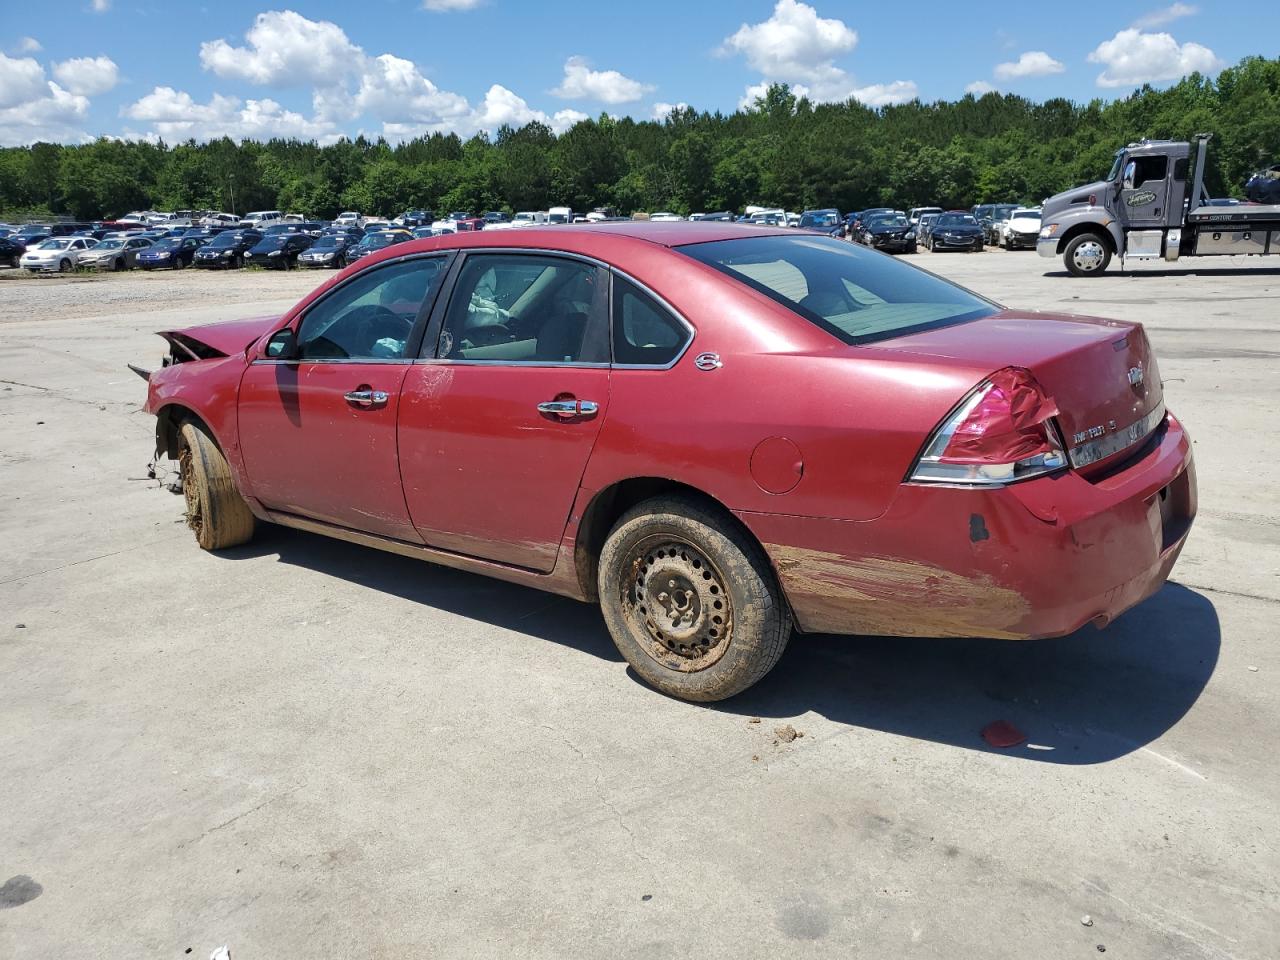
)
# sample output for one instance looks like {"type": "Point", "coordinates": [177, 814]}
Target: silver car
{"type": "Point", "coordinates": [57, 254]}
{"type": "Point", "coordinates": [115, 253]}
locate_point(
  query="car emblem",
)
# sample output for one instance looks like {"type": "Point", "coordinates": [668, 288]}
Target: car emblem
{"type": "Point", "coordinates": [707, 361]}
{"type": "Point", "coordinates": [1135, 375]}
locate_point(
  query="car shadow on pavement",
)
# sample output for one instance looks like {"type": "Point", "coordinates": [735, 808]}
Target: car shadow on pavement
{"type": "Point", "coordinates": [1087, 698]}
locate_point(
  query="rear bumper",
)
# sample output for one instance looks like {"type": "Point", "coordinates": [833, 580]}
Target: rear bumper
{"type": "Point", "coordinates": [1035, 559]}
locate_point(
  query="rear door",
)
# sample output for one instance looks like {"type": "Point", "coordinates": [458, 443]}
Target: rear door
{"type": "Point", "coordinates": [498, 422]}
{"type": "Point", "coordinates": [318, 428]}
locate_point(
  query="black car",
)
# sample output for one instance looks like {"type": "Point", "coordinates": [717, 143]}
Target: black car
{"type": "Point", "coordinates": [955, 231]}
{"type": "Point", "coordinates": [373, 242]}
{"type": "Point", "coordinates": [329, 251]}
{"type": "Point", "coordinates": [227, 249]}
{"type": "Point", "coordinates": [279, 250]}
{"type": "Point", "coordinates": [173, 252]}
{"type": "Point", "coordinates": [204, 233]}
{"type": "Point", "coordinates": [416, 218]}
{"type": "Point", "coordinates": [495, 216]}
{"type": "Point", "coordinates": [888, 231]}
{"type": "Point", "coordinates": [11, 249]}
{"type": "Point", "coordinates": [1264, 187]}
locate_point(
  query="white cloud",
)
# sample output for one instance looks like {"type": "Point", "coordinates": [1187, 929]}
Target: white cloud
{"type": "Point", "coordinates": [101, 6]}
{"type": "Point", "coordinates": [1165, 15]}
{"type": "Point", "coordinates": [886, 94]}
{"type": "Point", "coordinates": [29, 45]}
{"type": "Point", "coordinates": [395, 91]}
{"type": "Point", "coordinates": [501, 106]}
{"type": "Point", "coordinates": [447, 6]}
{"type": "Point", "coordinates": [87, 76]}
{"type": "Point", "coordinates": [663, 110]}
{"type": "Point", "coordinates": [1132, 58]}
{"type": "Point", "coordinates": [1034, 63]}
{"type": "Point", "coordinates": [174, 115]}
{"type": "Point", "coordinates": [285, 49]}
{"type": "Point", "coordinates": [608, 86]}
{"type": "Point", "coordinates": [980, 88]}
{"type": "Point", "coordinates": [53, 115]}
{"type": "Point", "coordinates": [21, 80]}
{"type": "Point", "coordinates": [794, 44]}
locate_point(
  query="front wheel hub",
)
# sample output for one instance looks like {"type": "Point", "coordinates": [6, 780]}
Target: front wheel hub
{"type": "Point", "coordinates": [677, 598]}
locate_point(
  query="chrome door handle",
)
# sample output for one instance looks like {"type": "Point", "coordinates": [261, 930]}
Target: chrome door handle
{"type": "Point", "coordinates": [366, 398]}
{"type": "Point", "coordinates": [570, 408]}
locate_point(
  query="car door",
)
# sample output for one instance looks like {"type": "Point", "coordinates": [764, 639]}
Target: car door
{"type": "Point", "coordinates": [498, 421]}
{"type": "Point", "coordinates": [317, 412]}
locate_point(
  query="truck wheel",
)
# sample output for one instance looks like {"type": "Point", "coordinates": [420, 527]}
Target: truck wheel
{"type": "Point", "coordinates": [690, 600]}
{"type": "Point", "coordinates": [1087, 255]}
{"type": "Point", "coordinates": [216, 512]}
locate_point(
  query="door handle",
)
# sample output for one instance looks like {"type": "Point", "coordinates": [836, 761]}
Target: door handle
{"type": "Point", "coordinates": [570, 408]}
{"type": "Point", "coordinates": [366, 398]}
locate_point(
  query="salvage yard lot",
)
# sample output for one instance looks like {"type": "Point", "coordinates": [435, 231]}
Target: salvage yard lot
{"type": "Point", "coordinates": [303, 747]}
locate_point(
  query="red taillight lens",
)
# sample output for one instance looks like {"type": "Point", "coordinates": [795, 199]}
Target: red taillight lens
{"type": "Point", "coordinates": [1003, 431]}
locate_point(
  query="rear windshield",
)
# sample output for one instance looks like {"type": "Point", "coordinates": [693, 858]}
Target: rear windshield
{"type": "Point", "coordinates": [853, 293]}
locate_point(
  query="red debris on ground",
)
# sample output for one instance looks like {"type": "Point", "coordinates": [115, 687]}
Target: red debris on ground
{"type": "Point", "coordinates": [1003, 734]}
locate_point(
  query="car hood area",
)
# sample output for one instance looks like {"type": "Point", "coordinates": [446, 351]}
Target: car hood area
{"type": "Point", "coordinates": [230, 337]}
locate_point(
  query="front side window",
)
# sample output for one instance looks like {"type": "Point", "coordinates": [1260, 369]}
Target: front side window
{"type": "Point", "coordinates": [854, 294]}
{"type": "Point", "coordinates": [643, 331]}
{"type": "Point", "coordinates": [371, 316]}
{"type": "Point", "coordinates": [518, 308]}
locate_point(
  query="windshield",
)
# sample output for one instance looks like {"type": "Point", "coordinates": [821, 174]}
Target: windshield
{"type": "Point", "coordinates": [1004, 209]}
{"type": "Point", "coordinates": [887, 222]}
{"type": "Point", "coordinates": [558, 218]}
{"type": "Point", "coordinates": [59, 244]}
{"type": "Point", "coordinates": [375, 241]}
{"type": "Point", "coordinates": [852, 293]}
{"type": "Point", "coordinates": [823, 219]}
{"type": "Point", "coordinates": [224, 240]}
{"type": "Point", "coordinates": [1115, 167]}
{"type": "Point", "coordinates": [956, 220]}
{"type": "Point", "coordinates": [171, 243]}
{"type": "Point", "coordinates": [325, 243]}
{"type": "Point", "coordinates": [274, 241]}
{"type": "Point", "coordinates": [111, 245]}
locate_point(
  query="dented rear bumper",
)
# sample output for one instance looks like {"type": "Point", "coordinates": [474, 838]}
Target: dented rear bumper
{"type": "Point", "coordinates": [1035, 559]}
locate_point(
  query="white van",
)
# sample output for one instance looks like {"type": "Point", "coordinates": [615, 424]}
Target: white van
{"type": "Point", "coordinates": [530, 218]}
{"type": "Point", "coordinates": [560, 215]}
{"type": "Point", "coordinates": [260, 218]}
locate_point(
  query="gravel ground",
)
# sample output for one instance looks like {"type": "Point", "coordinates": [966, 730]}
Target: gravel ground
{"type": "Point", "coordinates": [24, 297]}
{"type": "Point", "coordinates": [306, 748]}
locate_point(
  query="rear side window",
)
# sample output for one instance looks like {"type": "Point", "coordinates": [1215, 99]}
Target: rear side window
{"type": "Point", "coordinates": [644, 332]}
{"type": "Point", "coordinates": [852, 293]}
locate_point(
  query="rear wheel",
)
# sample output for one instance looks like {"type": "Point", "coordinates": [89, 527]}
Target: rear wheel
{"type": "Point", "coordinates": [216, 512]}
{"type": "Point", "coordinates": [1087, 255]}
{"type": "Point", "coordinates": [690, 600]}
{"type": "Point", "coordinates": [64, 266]}
{"type": "Point", "coordinates": [118, 265]}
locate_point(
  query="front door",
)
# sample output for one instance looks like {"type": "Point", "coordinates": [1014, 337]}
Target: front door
{"type": "Point", "coordinates": [318, 428]}
{"type": "Point", "coordinates": [496, 426]}
{"type": "Point", "coordinates": [1144, 192]}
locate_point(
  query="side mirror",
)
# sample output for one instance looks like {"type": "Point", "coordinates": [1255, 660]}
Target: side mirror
{"type": "Point", "coordinates": [283, 345]}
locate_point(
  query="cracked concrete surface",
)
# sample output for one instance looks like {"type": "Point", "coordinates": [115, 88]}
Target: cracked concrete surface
{"type": "Point", "coordinates": [306, 748]}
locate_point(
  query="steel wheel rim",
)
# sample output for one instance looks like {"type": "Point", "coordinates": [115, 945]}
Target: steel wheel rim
{"type": "Point", "coordinates": [1088, 256]}
{"type": "Point", "coordinates": [676, 601]}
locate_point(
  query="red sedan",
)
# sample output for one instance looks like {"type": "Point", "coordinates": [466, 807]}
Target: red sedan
{"type": "Point", "coordinates": [718, 432]}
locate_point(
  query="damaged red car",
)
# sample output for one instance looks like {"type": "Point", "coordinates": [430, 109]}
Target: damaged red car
{"type": "Point", "coordinates": [719, 433]}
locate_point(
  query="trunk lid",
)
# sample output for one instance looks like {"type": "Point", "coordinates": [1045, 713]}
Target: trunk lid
{"type": "Point", "coordinates": [1101, 374]}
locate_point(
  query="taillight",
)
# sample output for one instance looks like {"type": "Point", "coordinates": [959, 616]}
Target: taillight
{"type": "Point", "coordinates": [1001, 432]}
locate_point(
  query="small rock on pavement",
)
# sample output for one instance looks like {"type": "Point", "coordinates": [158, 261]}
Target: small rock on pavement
{"type": "Point", "coordinates": [754, 720]}
{"type": "Point", "coordinates": [1253, 669]}
{"type": "Point", "coordinates": [1087, 920]}
{"type": "Point", "coordinates": [787, 733]}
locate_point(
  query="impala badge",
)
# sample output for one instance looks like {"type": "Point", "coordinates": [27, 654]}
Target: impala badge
{"type": "Point", "coordinates": [1135, 375]}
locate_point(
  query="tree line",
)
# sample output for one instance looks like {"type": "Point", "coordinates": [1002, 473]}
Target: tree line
{"type": "Point", "coordinates": [785, 151]}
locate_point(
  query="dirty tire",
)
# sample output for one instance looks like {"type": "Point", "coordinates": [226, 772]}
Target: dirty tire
{"type": "Point", "coordinates": [216, 512]}
{"type": "Point", "coordinates": [64, 266]}
{"type": "Point", "coordinates": [731, 620]}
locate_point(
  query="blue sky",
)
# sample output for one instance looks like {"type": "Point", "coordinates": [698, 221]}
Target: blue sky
{"type": "Point", "coordinates": [398, 68]}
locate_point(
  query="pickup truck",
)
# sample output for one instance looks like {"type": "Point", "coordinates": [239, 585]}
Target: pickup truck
{"type": "Point", "coordinates": [1142, 211]}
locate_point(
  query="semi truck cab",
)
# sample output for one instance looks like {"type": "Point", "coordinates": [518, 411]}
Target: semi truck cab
{"type": "Point", "coordinates": [1152, 206]}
